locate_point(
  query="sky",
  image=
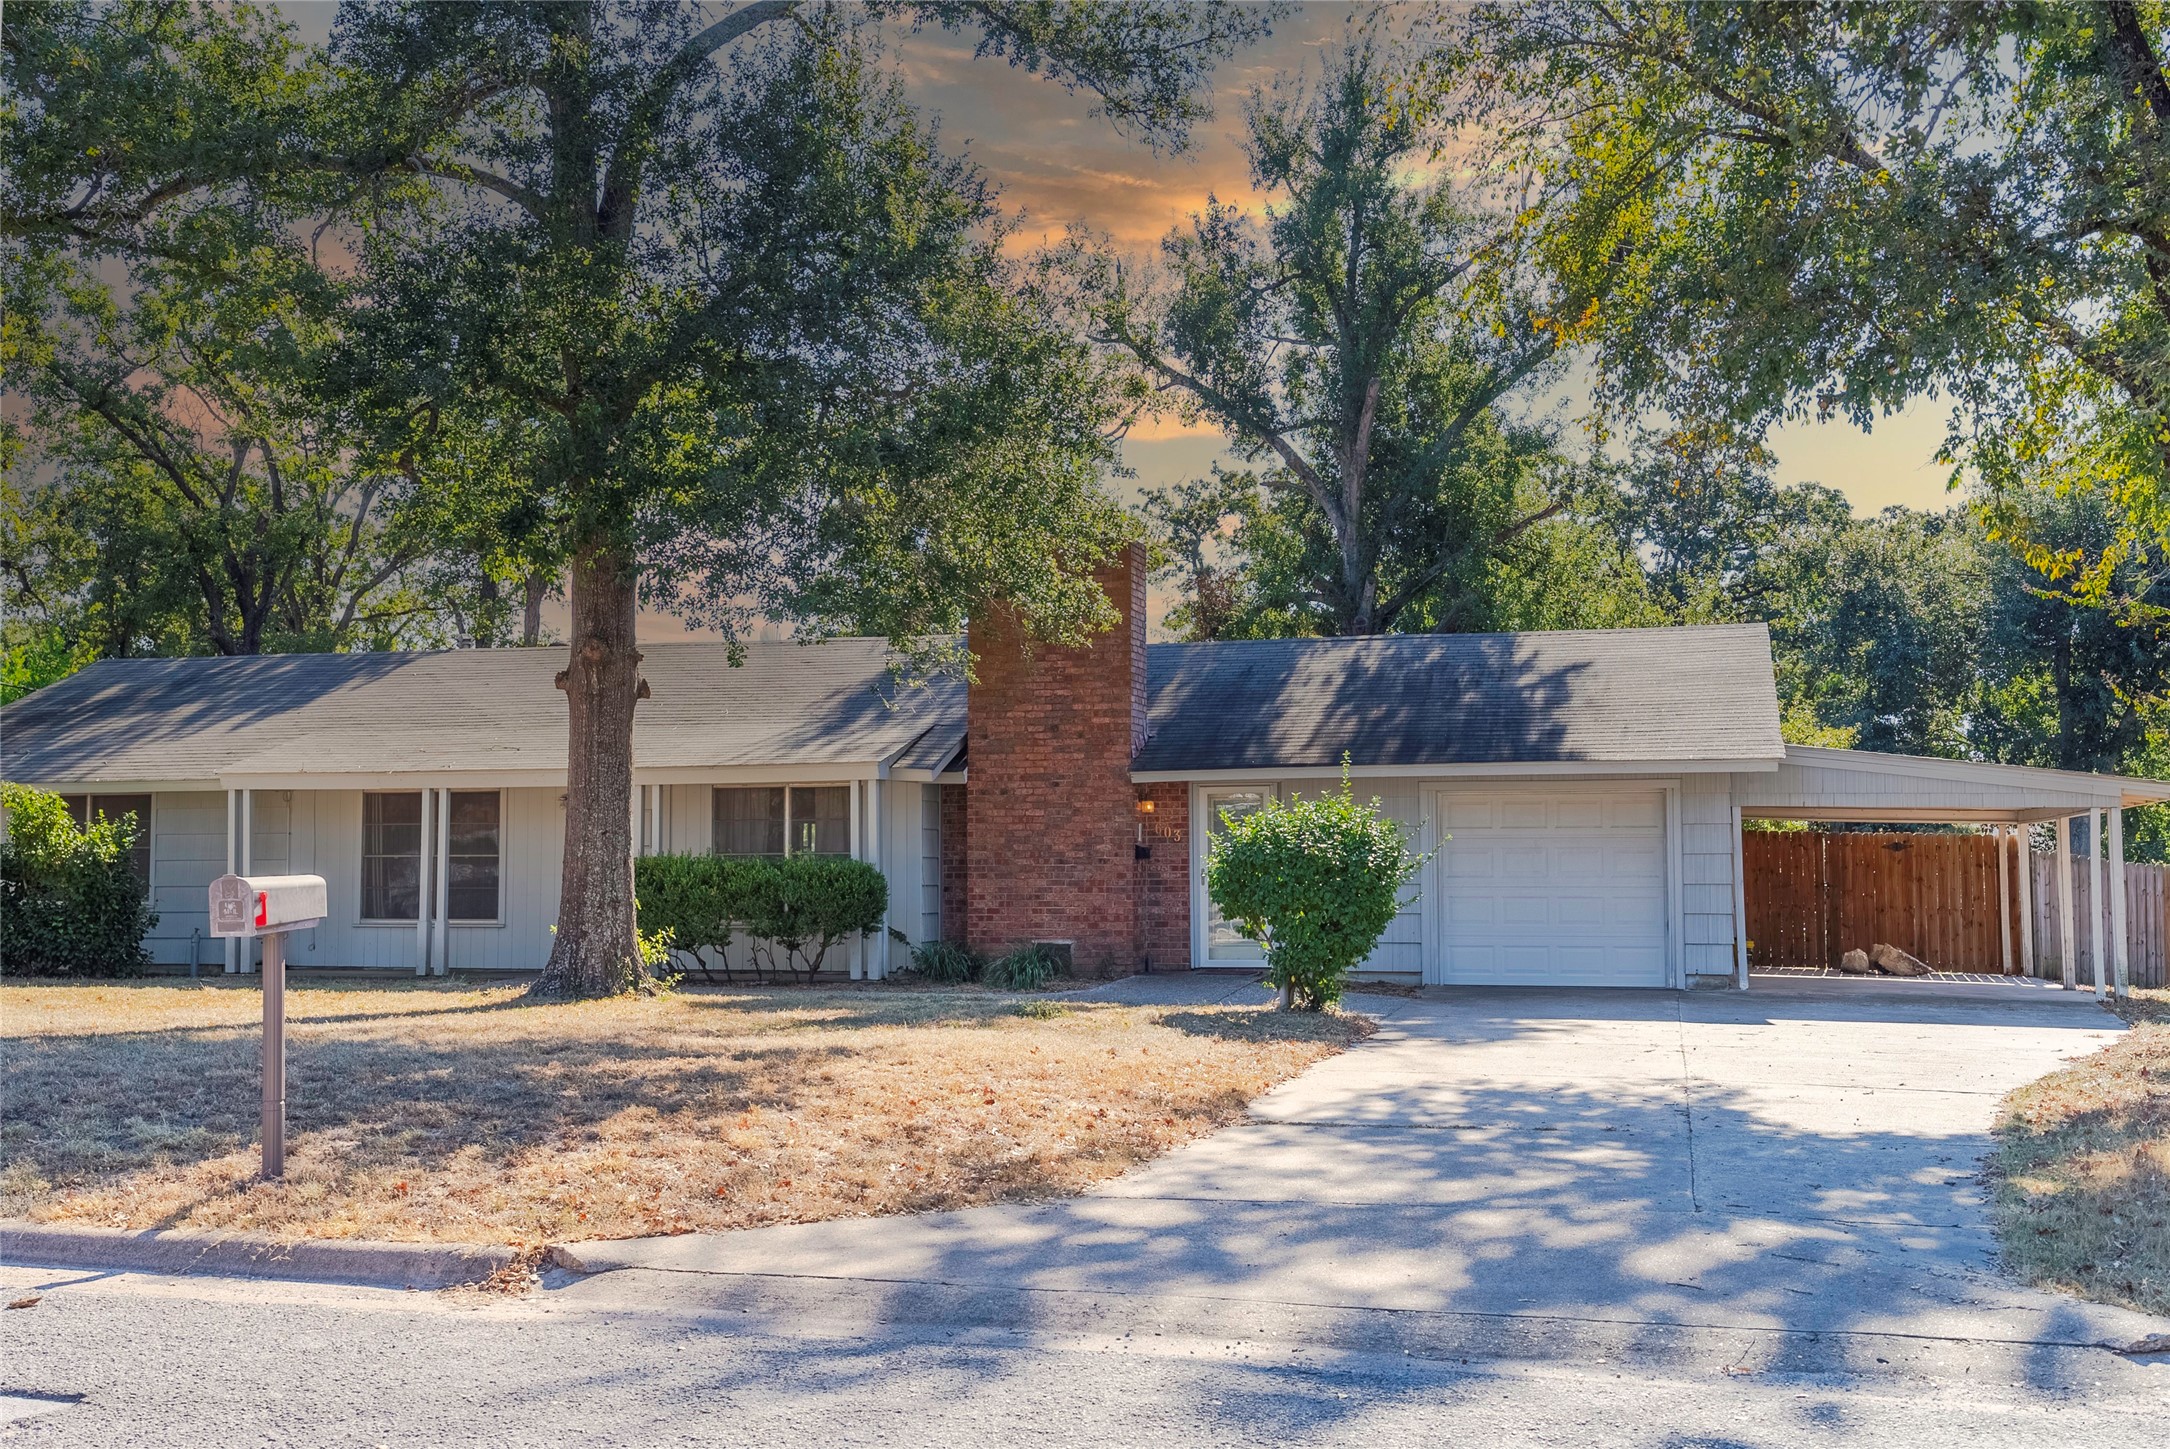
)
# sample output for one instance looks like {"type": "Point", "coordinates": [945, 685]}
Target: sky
{"type": "Point", "coordinates": [1055, 163]}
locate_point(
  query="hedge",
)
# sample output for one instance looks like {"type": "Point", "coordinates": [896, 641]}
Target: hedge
{"type": "Point", "coordinates": [70, 903]}
{"type": "Point", "coordinates": [789, 912]}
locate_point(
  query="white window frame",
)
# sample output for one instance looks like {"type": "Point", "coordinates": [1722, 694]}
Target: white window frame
{"type": "Point", "coordinates": [851, 828]}
{"type": "Point", "coordinates": [361, 864]}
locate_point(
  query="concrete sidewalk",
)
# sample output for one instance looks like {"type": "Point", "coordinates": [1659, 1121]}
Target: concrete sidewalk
{"type": "Point", "coordinates": [1781, 1162]}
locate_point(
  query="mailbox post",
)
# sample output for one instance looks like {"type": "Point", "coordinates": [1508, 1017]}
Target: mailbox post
{"type": "Point", "coordinates": [269, 906]}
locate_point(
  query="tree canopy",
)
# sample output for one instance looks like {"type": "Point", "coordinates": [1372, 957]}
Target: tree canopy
{"type": "Point", "coordinates": [1353, 346]}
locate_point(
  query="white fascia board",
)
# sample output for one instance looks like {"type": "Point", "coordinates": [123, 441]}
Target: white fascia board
{"type": "Point", "coordinates": [98, 785]}
{"type": "Point", "coordinates": [1920, 814]}
{"type": "Point", "coordinates": [1536, 769]}
{"type": "Point", "coordinates": [398, 780]}
{"type": "Point", "coordinates": [811, 773]}
{"type": "Point", "coordinates": [2131, 789]}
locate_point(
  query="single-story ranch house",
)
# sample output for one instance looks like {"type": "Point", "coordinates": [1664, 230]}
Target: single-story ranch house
{"type": "Point", "coordinates": [1582, 793]}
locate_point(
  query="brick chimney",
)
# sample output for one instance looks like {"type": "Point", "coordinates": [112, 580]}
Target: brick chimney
{"type": "Point", "coordinates": [1050, 813]}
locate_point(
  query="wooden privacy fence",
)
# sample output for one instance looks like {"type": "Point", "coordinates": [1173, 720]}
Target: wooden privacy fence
{"type": "Point", "coordinates": [1814, 894]}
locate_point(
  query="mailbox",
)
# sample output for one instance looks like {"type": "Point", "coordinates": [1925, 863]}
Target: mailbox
{"type": "Point", "coordinates": [264, 905]}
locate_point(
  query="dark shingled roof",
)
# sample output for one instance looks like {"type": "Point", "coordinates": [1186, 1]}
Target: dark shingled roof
{"type": "Point", "coordinates": [1595, 695]}
{"type": "Point", "coordinates": [1625, 695]}
{"type": "Point", "coordinates": [468, 709]}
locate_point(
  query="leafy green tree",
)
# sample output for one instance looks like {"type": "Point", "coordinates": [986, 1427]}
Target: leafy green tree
{"type": "Point", "coordinates": [1353, 347]}
{"type": "Point", "coordinates": [758, 329]}
{"type": "Point", "coordinates": [1836, 208]}
{"type": "Point", "coordinates": [1316, 882]}
{"type": "Point", "coordinates": [2068, 683]}
{"type": "Point", "coordinates": [1700, 507]}
{"type": "Point", "coordinates": [656, 300]}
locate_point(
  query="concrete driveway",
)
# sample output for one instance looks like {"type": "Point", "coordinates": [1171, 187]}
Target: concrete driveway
{"type": "Point", "coordinates": [1578, 1218]}
{"type": "Point", "coordinates": [1571, 1171]}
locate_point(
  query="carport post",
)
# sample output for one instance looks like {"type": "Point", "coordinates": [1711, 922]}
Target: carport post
{"type": "Point", "coordinates": [1740, 905]}
{"type": "Point", "coordinates": [2118, 946]}
{"type": "Point", "coordinates": [2023, 840]}
{"type": "Point", "coordinates": [2067, 879]}
{"type": "Point", "coordinates": [2097, 956]}
{"type": "Point", "coordinates": [2004, 901]}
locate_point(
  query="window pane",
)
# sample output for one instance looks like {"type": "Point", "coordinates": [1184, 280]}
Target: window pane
{"type": "Point", "coordinates": [391, 856]}
{"type": "Point", "coordinates": [1222, 941]}
{"type": "Point", "coordinates": [821, 820]}
{"type": "Point", "coordinates": [749, 821]}
{"type": "Point", "coordinates": [472, 867]}
{"type": "Point", "coordinates": [113, 807]}
{"type": "Point", "coordinates": [78, 808]}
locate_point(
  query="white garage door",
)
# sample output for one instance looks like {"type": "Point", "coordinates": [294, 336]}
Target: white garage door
{"type": "Point", "coordinates": [1550, 888]}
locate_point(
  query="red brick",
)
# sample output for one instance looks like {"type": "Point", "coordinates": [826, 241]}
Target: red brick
{"type": "Point", "coordinates": [1051, 818]}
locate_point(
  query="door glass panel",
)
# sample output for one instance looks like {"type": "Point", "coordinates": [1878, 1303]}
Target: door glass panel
{"type": "Point", "coordinates": [1222, 941]}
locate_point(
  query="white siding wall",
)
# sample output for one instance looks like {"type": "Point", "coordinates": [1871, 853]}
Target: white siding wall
{"type": "Point", "coordinates": [1401, 947]}
{"type": "Point", "coordinates": [320, 832]}
{"type": "Point", "coordinates": [911, 858]}
{"type": "Point", "coordinates": [1706, 875]}
{"type": "Point", "coordinates": [188, 852]}
{"type": "Point", "coordinates": [930, 862]}
{"type": "Point", "coordinates": [1705, 862]}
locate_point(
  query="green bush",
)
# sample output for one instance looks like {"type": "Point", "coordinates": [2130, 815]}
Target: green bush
{"type": "Point", "coordinates": [789, 912]}
{"type": "Point", "coordinates": [803, 905]}
{"type": "Point", "coordinates": [1313, 881]}
{"type": "Point", "coordinates": [945, 961]}
{"type": "Point", "coordinates": [684, 897]}
{"type": "Point", "coordinates": [1028, 968]}
{"type": "Point", "coordinates": [70, 904]}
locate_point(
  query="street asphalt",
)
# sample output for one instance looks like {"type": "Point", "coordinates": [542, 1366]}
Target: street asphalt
{"type": "Point", "coordinates": [1573, 1218]}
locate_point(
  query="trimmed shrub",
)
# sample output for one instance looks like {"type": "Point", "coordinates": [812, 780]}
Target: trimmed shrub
{"type": "Point", "coordinates": [70, 903]}
{"type": "Point", "coordinates": [1313, 881]}
{"type": "Point", "coordinates": [1028, 968]}
{"type": "Point", "coordinates": [801, 906]}
{"type": "Point", "coordinates": [789, 912]}
{"type": "Point", "coordinates": [684, 898]}
{"type": "Point", "coordinates": [945, 961]}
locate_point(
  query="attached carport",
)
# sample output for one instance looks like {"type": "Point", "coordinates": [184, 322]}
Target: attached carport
{"type": "Point", "coordinates": [1863, 787]}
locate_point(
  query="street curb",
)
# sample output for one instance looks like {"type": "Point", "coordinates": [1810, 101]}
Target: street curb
{"type": "Point", "coordinates": [250, 1255]}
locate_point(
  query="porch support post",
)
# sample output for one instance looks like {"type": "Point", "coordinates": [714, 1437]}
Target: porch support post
{"type": "Point", "coordinates": [2067, 881]}
{"type": "Point", "coordinates": [2121, 952]}
{"type": "Point", "coordinates": [877, 966]}
{"type": "Point", "coordinates": [441, 922]}
{"type": "Point", "coordinates": [248, 867]}
{"type": "Point", "coordinates": [233, 867]}
{"type": "Point", "coordinates": [2023, 842]}
{"type": "Point", "coordinates": [423, 852]}
{"type": "Point", "coordinates": [2098, 958]}
{"type": "Point", "coordinates": [858, 852]}
{"type": "Point", "coordinates": [2004, 902]}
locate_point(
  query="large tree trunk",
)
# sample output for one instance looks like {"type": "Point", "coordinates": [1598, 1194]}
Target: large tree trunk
{"type": "Point", "coordinates": [595, 953]}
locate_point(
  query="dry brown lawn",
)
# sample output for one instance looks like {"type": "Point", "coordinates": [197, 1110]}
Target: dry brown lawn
{"type": "Point", "coordinates": [2082, 1171]}
{"type": "Point", "coordinates": [466, 1114]}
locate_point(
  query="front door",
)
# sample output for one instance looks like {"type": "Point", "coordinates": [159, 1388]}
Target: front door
{"type": "Point", "coordinates": [1223, 945]}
